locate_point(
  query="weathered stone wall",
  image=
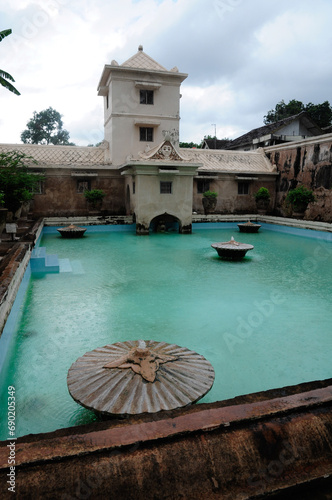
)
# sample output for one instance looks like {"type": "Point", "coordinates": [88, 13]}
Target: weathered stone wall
{"type": "Point", "coordinates": [229, 201]}
{"type": "Point", "coordinates": [60, 196]}
{"type": "Point", "coordinates": [308, 162]}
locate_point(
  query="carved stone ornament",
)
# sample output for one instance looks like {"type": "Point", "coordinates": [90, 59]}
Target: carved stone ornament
{"type": "Point", "coordinates": [166, 152]}
{"type": "Point", "coordinates": [143, 361]}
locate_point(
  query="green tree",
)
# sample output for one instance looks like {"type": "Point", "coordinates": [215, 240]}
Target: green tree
{"type": "Point", "coordinates": [16, 180]}
{"type": "Point", "coordinates": [320, 113]}
{"type": "Point", "coordinates": [189, 145]}
{"type": "Point", "coordinates": [283, 110]}
{"type": "Point", "coordinates": [45, 127]}
{"type": "Point", "coordinates": [6, 78]}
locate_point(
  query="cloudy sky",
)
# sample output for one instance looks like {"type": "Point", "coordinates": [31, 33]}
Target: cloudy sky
{"type": "Point", "coordinates": [242, 57]}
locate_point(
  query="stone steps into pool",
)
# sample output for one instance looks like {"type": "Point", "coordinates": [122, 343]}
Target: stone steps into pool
{"type": "Point", "coordinates": [41, 262]}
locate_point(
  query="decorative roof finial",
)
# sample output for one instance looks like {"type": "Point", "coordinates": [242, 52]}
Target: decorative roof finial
{"type": "Point", "coordinates": [140, 48]}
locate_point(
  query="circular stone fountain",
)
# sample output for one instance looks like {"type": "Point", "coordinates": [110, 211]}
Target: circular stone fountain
{"type": "Point", "coordinates": [249, 227]}
{"type": "Point", "coordinates": [134, 377]}
{"type": "Point", "coordinates": [232, 250]}
{"type": "Point", "coordinates": [72, 231]}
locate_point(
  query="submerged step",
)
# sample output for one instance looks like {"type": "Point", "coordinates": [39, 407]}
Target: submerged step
{"type": "Point", "coordinates": [52, 263]}
{"type": "Point", "coordinates": [40, 262]}
{"type": "Point", "coordinates": [65, 266]}
{"type": "Point", "coordinates": [38, 253]}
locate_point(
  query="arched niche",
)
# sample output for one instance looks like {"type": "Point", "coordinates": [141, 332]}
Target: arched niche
{"type": "Point", "coordinates": [165, 223]}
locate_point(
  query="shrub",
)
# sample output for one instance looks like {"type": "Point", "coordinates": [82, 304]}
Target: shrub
{"type": "Point", "coordinates": [300, 196]}
{"type": "Point", "coordinates": [94, 196]}
{"type": "Point", "coordinates": [210, 194]}
{"type": "Point", "coordinates": [262, 194]}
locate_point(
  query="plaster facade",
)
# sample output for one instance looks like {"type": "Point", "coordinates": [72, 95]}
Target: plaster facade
{"type": "Point", "coordinates": [140, 93]}
{"type": "Point", "coordinates": [148, 201]}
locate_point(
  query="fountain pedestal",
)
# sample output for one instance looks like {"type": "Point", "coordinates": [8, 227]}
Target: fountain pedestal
{"type": "Point", "coordinates": [249, 227]}
{"type": "Point", "coordinates": [232, 250]}
{"type": "Point", "coordinates": [139, 376]}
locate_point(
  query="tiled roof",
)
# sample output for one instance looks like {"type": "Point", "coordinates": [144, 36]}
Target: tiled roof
{"type": "Point", "coordinates": [142, 61]}
{"type": "Point", "coordinates": [60, 155]}
{"type": "Point", "coordinates": [209, 160]}
{"type": "Point", "coordinates": [229, 161]}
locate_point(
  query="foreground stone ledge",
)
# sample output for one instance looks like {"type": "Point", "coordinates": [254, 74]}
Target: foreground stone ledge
{"type": "Point", "coordinates": [249, 446]}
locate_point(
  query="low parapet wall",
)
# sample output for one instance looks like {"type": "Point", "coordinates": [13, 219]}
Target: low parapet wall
{"type": "Point", "coordinates": [12, 269]}
{"type": "Point", "coordinates": [269, 219]}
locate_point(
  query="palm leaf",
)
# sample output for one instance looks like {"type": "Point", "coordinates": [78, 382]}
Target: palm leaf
{"type": "Point", "coordinates": [4, 33]}
{"type": "Point", "coordinates": [6, 75]}
{"type": "Point", "coordinates": [8, 85]}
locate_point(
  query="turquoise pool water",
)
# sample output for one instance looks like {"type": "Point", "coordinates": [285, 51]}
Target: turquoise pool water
{"type": "Point", "coordinates": [264, 322]}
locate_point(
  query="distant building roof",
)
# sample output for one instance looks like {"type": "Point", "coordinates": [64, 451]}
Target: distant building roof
{"type": "Point", "coordinates": [272, 128]}
{"type": "Point", "coordinates": [216, 143]}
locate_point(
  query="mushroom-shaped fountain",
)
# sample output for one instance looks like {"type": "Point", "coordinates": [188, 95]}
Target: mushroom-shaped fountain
{"type": "Point", "coordinates": [249, 227]}
{"type": "Point", "coordinates": [134, 377]}
{"type": "Point", "coordinates": [232, 250]}
{"type": "Point", "coordinates": [72, 231]}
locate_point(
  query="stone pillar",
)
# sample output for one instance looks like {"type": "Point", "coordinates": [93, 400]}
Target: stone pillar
{"type": "Point", "coordinates": [142, 229]}
{"type": "Point", "coordinates": [185, 229]}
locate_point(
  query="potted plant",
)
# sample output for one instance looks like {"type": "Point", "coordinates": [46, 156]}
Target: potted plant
{"type": "Point", "coordinates": [299, 199]}
{"type": "Point", "coordinates": [209, 201]}
{"type": "Point", "coordinates": [3, 213]}
{"type": "Point", "coordinates": [262, 197]}
{"type": "Point", "coordinates": [95, 198]}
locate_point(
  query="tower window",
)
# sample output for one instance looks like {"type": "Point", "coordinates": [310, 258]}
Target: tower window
{"type": "Point", "coordinates": [146, 134]}
{"type": "Point", "coordinates": [146, 96]}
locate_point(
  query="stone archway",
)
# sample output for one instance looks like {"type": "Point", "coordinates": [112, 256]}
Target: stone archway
{"type": "Point", "coordinates": [164, 223]}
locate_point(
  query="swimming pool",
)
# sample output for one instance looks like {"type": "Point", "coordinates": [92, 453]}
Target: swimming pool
{"type": "Point", "coordinates": [263, 322]}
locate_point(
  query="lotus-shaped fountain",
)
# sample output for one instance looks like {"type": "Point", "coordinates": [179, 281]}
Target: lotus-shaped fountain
{"type": "Point", "coordinates": [139, 376]}
{"type": "Point", "coordinates": [72, 231]}
{"type": "Point", "coordinates": [232, 250]}
{"type": "Point", "coordinates": [249, 227]}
